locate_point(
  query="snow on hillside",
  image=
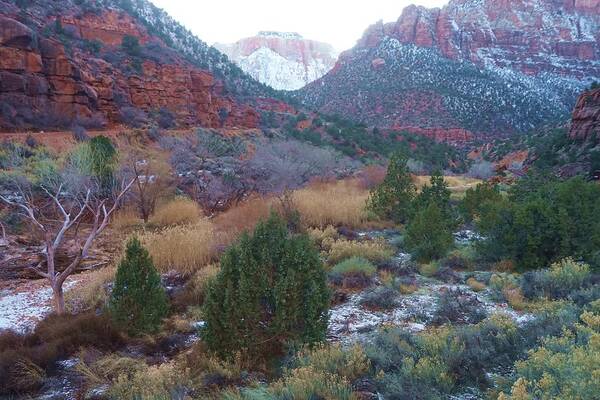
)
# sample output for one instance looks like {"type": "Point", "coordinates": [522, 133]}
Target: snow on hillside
{"type": "Point", "coordinates": [281, 60]}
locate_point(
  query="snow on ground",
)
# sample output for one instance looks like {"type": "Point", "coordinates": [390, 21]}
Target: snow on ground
{"type": "Point", "coordinates": [22, 308]}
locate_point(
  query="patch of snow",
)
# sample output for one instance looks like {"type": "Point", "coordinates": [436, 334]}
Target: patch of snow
{"type": "Point", "coordinates": [21, 311]}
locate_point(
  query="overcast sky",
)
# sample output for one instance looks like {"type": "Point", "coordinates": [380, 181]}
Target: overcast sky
{"type": "Point", "coordinates": [338, 22]}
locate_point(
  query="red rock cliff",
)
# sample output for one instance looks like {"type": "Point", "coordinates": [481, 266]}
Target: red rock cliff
{"type": "Point", "coordinates": [505, 33]}
{"type": "Point", "coordinates": [586, 116]}
{"type": "Point", "coordinates": [44, 85]}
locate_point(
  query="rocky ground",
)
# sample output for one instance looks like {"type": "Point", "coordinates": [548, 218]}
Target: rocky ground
{"type": "Point", "coordinates": [26, 302]}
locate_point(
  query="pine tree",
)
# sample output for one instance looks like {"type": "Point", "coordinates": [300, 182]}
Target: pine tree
{"type": "Point", "coordinates": [428, 237]}
{"type": "Point", "coordinates": [393, 198]}
{"type": "Point", "coordinates": [271, 292]}
{"type": "Point", "coordinates": [138, 302]}
{"type": "Point", "coordinates": [437, 192]}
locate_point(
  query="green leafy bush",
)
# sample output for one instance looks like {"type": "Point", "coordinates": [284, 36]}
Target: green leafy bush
{"type": "Point", "coordinates": [380, 298]}
{"type": "Point", "coordinates": [564, 367]}
{"type": "Point", "coordinates": [558, 282]}
{"type": "Point", "coordinates": [138, 302]}
{"type": "Point", "coordinates": [542, 222]}
{"type": "Point", "coordinates": [271, 291]}
{"type": "Point", "coordinates": [353, 272]}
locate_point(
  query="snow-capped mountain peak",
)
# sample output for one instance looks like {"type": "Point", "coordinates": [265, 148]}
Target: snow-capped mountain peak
{"type": "Point", "coordinates": [282, 60]}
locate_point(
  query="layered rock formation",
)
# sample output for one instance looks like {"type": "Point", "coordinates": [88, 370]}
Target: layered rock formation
{"type": "Point", "coordinates": [531, 36]}
{"type": "Point", "coordinates": [586, 116]}
{"type": "Point", "coordinates": [471, 68]}
{"type": "Point", "coordinates": [54, 73]}
{"type": "Point", "coordinates": [284, 61]}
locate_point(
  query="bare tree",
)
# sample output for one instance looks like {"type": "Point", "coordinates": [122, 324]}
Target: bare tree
{"type": "Point", "coordinates": [68, 211]}
{"type": "Point", "coordinates": [152, 175]}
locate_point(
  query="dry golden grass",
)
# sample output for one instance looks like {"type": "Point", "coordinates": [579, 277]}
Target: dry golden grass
{"type": "Point", "coordinates": [375, 251]}
{"type": "Point", "coordinates": [184, 249]}
{"type": "Point", "coordinates": [93, 293]}
{"type": "Point", "coordinates": [515, 298]}
{"type": "Point", "coordinates": [475, 285]}
{"type": "Point", "coordinates": [195, 289]}
{"type": "Point", "coordinates": [407, 288]}
{"type": "Point", "coordinates": [126, 219]}
{"type": "Point", "coordinates": [244, 216]}
{"type": "Point", "coordinates": [332, 203]}
{"type": "Point", "coordinates": [179, 211]}
{"type": "Point", "coordinates": [458, 185]}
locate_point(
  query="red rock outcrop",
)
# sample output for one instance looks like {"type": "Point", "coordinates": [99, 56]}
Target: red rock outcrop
{"type": "Point", "coordinates": [43, 85]}
{"type": "Point", "coordinates": [586, 116]}
{"type": "Point", "coordinates": [457, 136]}
{"type": "Point", "coordinates": [505, 33]}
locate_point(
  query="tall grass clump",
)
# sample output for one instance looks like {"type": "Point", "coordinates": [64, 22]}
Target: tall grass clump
{"type": "Point", "coordinates": [375, 251]}
{"type": "Point", "coordinates": [353, 272]}
{"type": "Point", "coordinates": [332, 203]}
{"type": "Point", "coordinates": [179, 211]}
{"type": "Point", "coordinates": [184, 249]}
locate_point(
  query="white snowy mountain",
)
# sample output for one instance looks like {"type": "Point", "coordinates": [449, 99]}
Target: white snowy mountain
{"type": "Point", "coordinates": [282, 60]}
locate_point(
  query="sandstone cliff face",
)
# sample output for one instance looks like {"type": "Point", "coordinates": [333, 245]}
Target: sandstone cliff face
{"type": "Point", "coordinates": [471, 68]}
{"type": "Point", "coordinates": [284, 61]}
{"type": "Point", "coordinates": [586, 116]}
{"type": "Point", "coordinates": [533, 36]}
{"type": "Point", "coordinates": [49, 81]}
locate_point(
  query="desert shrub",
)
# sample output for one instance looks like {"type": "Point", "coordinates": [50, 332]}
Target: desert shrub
{"type": "Point", "coordinates": [79, 133]}
{"type": "Point", "coordinates": [318, 236]}
{"type": "Point", "coordinates": [462, 258]}
{"type": "Point", "coordinates": [583, 297]}
{"type": "Point", "coordinates": [165, 118]}
{"type": "Point", "coordinates": [184, 249]}
{"type": "Point", "coordinates": [564, 367]}
{"type": "Point", "coordinates": [475, 285]}
{"type": "Point", "coordinates": [376, 251]}
{"type": "Point", "coordinates": [271, 291]}
{"type": "Point", "coordinates": [353, 272]}
{"type": "Point", "coordinates": [133, 117]}
{"type": "Point", "coordinates": [557, 282]}
{"type": "Point", "coordinates": [392, 200]}
{"type": "Point", "coordinates": [154, 133]}
{"type": "Point", "coordinates": [178, 211]}
{"type": "Point", "coordinates": [349, 363]}
{"type": "Point", "coordinates": [162, 381]}
{"type": "Point", "coordinates": [482, 170]}
{"type": "Point", "coordinates": [380, 298]}
{"type": "Point", "coordinates": [430, 269]}
{"type": "Point", "coordinates": [307, 383]}
{"type": "Point", "coordinates": [22, 357]}
{"type": "Point", "coordinates": [437, 363]}
{"type": "Point", "coordinates": [428, 237]}
{"type": "Point", "coordinates": [457, 306]}
{"type": "Point", "coordinates": [138, 301]}
{"type": "Point", "coordinates": [131, 45]}
{"type": "Point", "coordinates": [318, 210]}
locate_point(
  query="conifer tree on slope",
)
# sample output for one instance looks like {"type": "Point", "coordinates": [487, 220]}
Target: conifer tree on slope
{"type": "Point", "coordinates": [271, 292]}
{"type": "Point", "coordinates": [393, 198]}
{"type": "Point", "coordinates": [138, 302]}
